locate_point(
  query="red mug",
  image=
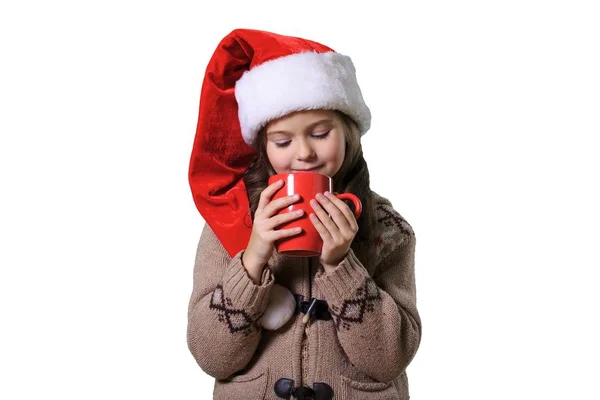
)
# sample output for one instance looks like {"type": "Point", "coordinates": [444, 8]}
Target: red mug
{"type": "Point", "coordinates": [307, 243]}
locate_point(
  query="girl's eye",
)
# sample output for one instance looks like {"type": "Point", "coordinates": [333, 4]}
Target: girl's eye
{"type": "Point", "coordinates": [285, 144]}
{"type": "Point", "coordinates": [282, 144]}
{"type": "Point", "coordinates": [321, 136]}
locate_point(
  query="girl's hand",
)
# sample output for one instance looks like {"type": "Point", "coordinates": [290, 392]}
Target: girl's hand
{"type": "Point", "coordinates": [337, 232]}
{"type": "Point", "coordinates": [262, 239]}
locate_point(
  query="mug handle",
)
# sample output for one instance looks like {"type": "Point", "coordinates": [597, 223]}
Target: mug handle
{"type": "Point", "coordinates": [355, 201]}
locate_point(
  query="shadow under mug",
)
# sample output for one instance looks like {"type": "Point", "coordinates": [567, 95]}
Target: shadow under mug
{"type": "Point", "coordinates": [308, 243]}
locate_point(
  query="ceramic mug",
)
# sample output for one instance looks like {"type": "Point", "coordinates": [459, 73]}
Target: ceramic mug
{"type": "Point", "coordinates": [308, 243]}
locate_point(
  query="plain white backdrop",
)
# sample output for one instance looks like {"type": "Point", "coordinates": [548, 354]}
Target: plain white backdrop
{"type": "Point", "coordinates": [486, 117]}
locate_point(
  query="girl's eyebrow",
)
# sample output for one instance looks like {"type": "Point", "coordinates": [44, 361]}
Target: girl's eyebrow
{"type": "Point", "coordinates": [309, 127]}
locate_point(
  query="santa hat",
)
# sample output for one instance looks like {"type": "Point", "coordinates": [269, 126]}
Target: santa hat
{"type": "Point", "coordinates": [252, 78]}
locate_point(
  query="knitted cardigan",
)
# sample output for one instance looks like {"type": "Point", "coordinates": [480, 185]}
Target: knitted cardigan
{"type": "Point", "coordinates": [360, 352]}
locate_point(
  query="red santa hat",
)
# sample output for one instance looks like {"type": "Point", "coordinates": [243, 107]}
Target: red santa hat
{"type": "Point", "coordinates": [252, 78]}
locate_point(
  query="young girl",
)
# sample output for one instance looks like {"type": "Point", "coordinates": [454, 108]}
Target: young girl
{"type": "Point", "coordinates": [274, 104]}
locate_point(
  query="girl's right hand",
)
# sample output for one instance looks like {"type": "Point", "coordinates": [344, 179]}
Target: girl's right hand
{"type": "Point", "coordinates": [264, 235]}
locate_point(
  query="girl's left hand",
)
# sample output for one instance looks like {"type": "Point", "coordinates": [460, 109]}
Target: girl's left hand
{"type": "Point", "coordinates": [337, 232]}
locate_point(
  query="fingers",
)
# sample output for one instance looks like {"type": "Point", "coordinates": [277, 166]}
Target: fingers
{"type": "Point", "coordinates": [323, 231]}
{"type": "Point", "coordinates": [267, 208]}
{"type": "Point", "coordinates": [266, 229]}
{"type": "Point", "coordinates": [265, 219]}
{"type": "Point", "coordinates": [274, 206]}
{"type": "Point", "coordinates": [345, 210]}
{"type": "Point", "coordinates": [266, 194]}
{"type": "Point", "coordinates": [338, 225]}
{"type": "Point", "coordinates": [284, 233]}
{"type": "Point", "coordinates": [269, 226]}
{"type": "Point", "coordinates": [283, 218]}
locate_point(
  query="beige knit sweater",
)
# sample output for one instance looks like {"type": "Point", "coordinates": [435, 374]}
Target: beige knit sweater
{"type": "Point", "coordinates": [360, 353]}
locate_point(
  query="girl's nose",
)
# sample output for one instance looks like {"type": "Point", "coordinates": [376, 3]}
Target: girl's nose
{"type": "Point", "coordinates": [305, 151]}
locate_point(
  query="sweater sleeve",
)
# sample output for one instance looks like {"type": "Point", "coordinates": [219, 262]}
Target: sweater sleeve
{"type": "Point", "coordinates": [376, 319]}
{"type": "Point", "coordinates": [225, 305]}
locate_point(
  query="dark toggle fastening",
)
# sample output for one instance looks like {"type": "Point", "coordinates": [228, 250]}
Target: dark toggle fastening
{"type": "Point", "coordinates": [319, 309]}
{"type": "Point", "coordinates": [284, 389]}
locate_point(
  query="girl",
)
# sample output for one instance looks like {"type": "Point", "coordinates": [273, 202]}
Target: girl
{"type": "Point", "coordinates": [273, 104]}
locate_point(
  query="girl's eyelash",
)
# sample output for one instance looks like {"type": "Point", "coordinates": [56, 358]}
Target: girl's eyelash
{"type": "Point", "coordinates": [285, 144]}
{"type": "Point", "coordinates": [321, 136]}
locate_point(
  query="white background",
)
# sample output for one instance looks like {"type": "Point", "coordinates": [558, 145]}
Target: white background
{"type": "Point", "coordinates": [485, 121]}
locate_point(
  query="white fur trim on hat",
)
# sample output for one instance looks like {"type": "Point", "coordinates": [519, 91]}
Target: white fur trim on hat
{"type": "Point", "coordinates": [303, 81]}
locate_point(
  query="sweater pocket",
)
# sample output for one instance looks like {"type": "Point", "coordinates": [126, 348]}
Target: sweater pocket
{"type": "Point", "coordinates": [354, 390]}
{"type": "Point", "coordinates": [249, 386]}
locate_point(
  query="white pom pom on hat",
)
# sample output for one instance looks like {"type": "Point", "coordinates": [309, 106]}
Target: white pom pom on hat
{"type": "Point", "coordinates": [281, 307]}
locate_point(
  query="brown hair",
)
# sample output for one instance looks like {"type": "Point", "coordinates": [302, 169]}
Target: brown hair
{"type": "Point", "coordinates": [352, 177]}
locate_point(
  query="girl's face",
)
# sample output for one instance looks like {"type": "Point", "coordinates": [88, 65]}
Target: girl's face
{"type": "Point", "coordinates": [306, 140]}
